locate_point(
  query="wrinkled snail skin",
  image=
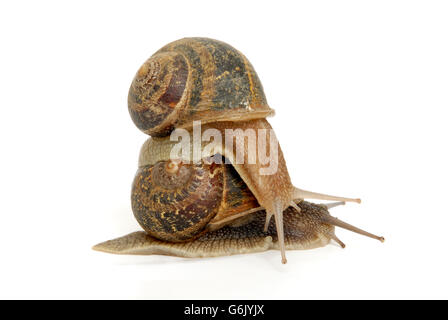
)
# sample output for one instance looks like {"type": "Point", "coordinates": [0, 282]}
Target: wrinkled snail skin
{"type": "Point", "coordinates": [304, 230]}
{"type": "Point", "coordinates": [312, 228]}
{"type": "Point", "coordinates": [204, 208]}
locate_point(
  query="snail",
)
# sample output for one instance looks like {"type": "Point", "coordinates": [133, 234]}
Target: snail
{"type": "Point", "coordinates": [216, 204]}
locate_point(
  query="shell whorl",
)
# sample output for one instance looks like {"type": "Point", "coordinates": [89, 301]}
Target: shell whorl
{"type": "Point", "coordinates": [155, 96]}
{"type": "Point", "coordinates": [195, 79]}
{"type": "Point", "coordinates": [176, 205]}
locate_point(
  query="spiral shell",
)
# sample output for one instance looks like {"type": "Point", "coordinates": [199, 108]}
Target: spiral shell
{"type": "Point", "coordinates": [195, 79]}
{"type": "Point", "coordinates": [176, 206]}
{"type": "Point", "coordinates": [175, 202]}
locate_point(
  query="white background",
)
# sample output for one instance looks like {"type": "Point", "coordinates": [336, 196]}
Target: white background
{"type": "Point", "coordinates": [360, 91]}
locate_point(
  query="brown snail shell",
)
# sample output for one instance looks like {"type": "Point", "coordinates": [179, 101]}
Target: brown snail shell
{"type": "Point", "coordinates": [195, 79]}
{"type": "Point", "coordinates": [178, 206]}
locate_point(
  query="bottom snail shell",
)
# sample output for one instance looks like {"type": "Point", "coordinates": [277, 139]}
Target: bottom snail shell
{"type": "Point", "coordinates": [311, 228]}
{"type": "Point", "coordinates": [177, 202]}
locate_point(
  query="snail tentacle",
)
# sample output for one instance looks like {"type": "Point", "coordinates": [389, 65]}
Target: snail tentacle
{"type": "Point", "coordinates": [304, 194]}
{"type": "Point", "coordinates": [333, 204]}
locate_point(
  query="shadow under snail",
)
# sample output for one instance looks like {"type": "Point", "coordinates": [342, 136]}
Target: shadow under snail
{"type": "Point", "coordinates": [215, 206]}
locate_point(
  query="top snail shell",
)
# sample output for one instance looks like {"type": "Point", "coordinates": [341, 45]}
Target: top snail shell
{"type": "Point", "coordinates": [195, 79]}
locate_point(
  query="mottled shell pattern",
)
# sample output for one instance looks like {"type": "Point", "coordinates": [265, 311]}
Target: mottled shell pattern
{"type": "Point", "coordinates": [195, 79]}
{"type": "Point", "coordinates": [181, 205]}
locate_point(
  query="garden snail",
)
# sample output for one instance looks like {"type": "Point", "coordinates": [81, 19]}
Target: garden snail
{"type": "Point", "coordinates": [215, 205]}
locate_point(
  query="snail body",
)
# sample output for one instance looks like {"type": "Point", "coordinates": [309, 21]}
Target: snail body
{"type": "Point", "coordinates": [184, 206]}
{"type": "Point", "coordinates": [304, 230]}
